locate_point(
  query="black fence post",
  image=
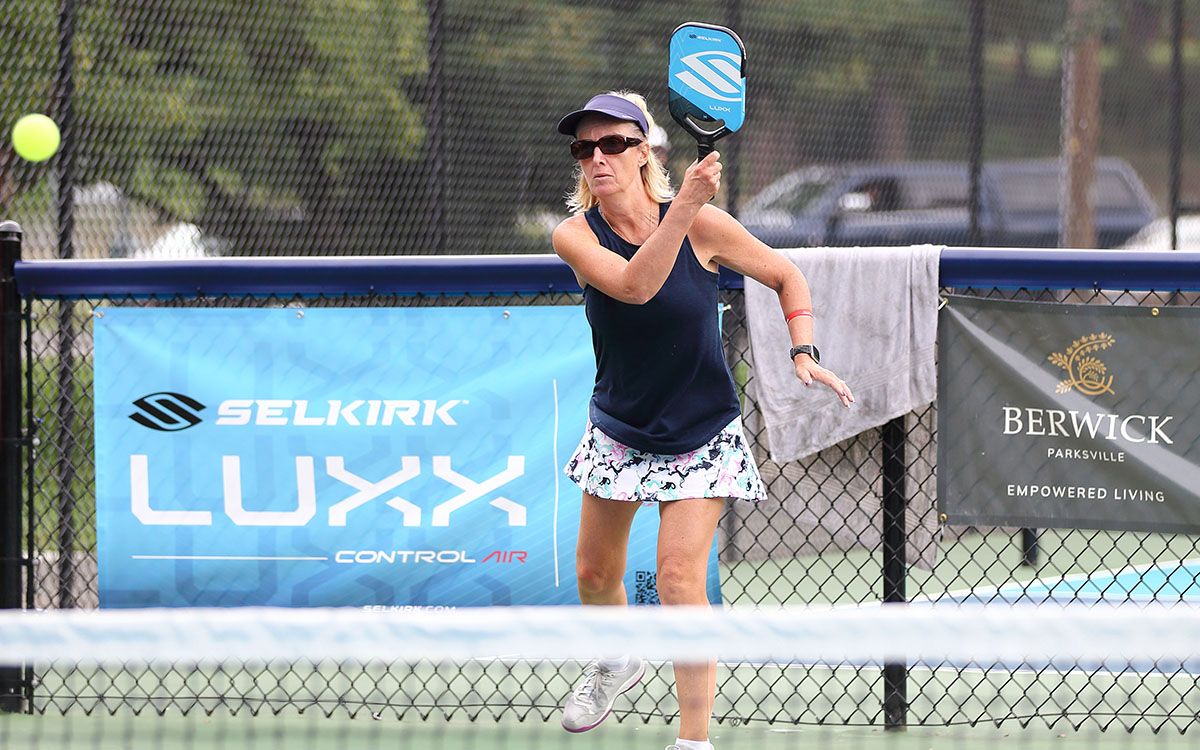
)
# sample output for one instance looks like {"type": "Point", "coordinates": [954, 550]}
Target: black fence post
{"type": "Point", "coordinates": [66, 163]}
{"type": "Point", "coordinates": [975, 118]}
{"type": "Point", "coordinates": [1175, 133]}
{"type": "Point", "coordinates": [895, 676]}
{"type": "Point", "coordinates": [12, 557]}
{"type": "Point", "coordinates": [1029, 547]}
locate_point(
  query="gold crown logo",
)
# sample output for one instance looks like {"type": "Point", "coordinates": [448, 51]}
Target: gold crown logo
{"type": "Point", "coordinates": [1087, 374]}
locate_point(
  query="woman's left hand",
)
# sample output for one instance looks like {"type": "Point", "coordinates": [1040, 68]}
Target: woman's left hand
{"type": "Point", "coordinates": [809, 372]}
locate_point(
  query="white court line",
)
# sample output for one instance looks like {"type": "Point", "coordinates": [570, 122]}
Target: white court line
{"type": "Point", "coordinates": [222, 557]}
{"type": "Point", "coordinates": [557, 471]}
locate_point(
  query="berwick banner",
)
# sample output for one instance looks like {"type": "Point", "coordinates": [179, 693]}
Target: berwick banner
{"type": "Point", "coordinates": [372, 457]}
{"type": "Point", "coordinates": [1069, 416]}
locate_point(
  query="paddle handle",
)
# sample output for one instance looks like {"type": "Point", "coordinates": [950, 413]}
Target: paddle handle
{"type": "Point", "coordinates": [705, 147]}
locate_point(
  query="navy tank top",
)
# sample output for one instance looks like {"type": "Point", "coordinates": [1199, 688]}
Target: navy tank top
{"type": "Point", "coordinates": [662, 384]}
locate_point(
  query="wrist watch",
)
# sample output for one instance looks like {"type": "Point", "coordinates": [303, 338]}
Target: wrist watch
{"type": "Point", "coordinates": [808, 349]}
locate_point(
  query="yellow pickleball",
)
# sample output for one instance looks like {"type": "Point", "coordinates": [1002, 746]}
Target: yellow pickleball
{"type": "Point", "coordinates": [36, 137]}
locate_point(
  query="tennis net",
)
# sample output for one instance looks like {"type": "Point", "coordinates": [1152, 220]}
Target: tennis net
{"type": "Point", "coordinates": [313, 678]}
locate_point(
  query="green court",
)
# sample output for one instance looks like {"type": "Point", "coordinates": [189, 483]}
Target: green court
{"type": "Point", "coordinates": [172, 732]}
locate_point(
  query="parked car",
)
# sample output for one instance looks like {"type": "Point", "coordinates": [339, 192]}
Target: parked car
{"type": "Point", "coordinates": [910, 203]}
{"type": "Point", "coordinates": [1157, 235]}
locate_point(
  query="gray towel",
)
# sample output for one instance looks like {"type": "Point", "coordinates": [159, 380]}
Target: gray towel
{"type": "Point", "coordinates": [876, 327]}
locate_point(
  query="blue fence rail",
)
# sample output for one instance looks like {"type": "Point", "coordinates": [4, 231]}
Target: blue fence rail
{"type": "Point", "coordinates": [515, 274]}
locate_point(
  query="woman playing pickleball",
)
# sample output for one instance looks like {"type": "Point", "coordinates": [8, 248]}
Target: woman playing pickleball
{"type": "Point", "coordinates": [664, 421]}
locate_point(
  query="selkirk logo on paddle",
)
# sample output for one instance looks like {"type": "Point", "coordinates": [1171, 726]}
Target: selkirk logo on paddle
{"type": "Point", "coordinates": [714, 74]}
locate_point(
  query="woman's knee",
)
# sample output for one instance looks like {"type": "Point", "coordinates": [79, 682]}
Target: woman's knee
{"type": "Point", "coordinates": [597, 576]}
{"type": "Point", "coordinates": [681, 580]}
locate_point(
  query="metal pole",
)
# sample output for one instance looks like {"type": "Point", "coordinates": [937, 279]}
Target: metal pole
{"type": "Point", "coordinates": [64, 109]}
{"type": "Point", "coordinates": [733, 149]}
{"type": "Point", "coordinates": [436, 114]}
{"type": "Point", "coordinates": [65, 434]}
{"type": "Point", "coordinates": [1175, 133]}
{"type": "Point", "coordinates": [975, 117]}
{"type": "Point", "coordinates": [12, 557]}
{"type": "Point", "coordinates": [895, 676]}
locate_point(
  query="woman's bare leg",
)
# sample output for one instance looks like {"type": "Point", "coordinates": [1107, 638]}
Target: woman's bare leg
{"type": "Point", "coordinates": [602, 548]}
{"type": "Point", "coordinates": [685, 535]}
{"type": "Point", "coordinates": [600, 568]}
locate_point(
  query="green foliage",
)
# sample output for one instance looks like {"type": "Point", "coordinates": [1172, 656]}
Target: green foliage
{"type": "Point", "coordinates": [27, 58]}
{"type": "Point", "coordinates": [209, 108]}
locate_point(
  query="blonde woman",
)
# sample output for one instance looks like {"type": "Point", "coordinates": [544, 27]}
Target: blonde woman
{"type": "Point", "coordinates": [664, 421]}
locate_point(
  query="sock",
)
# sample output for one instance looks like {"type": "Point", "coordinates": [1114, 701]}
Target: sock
{"type": "Point", "coordinates": [693, 744]}
{"type": "Point", "coordinates": [615, 663]}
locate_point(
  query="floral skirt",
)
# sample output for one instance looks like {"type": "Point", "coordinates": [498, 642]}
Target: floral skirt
{"type": "Point", "coordinates": [722, 467]}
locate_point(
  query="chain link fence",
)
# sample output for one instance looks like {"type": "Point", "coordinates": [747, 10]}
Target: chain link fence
{"type": "Point", "coordinates": [819, 538]}
{"type": "Point", "coordinates": [308, 127]}
{"type": "Point", "coordinates": [259, 127]}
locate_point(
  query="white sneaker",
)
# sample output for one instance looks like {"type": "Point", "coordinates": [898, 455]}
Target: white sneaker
{"type": "Point", "coordinates": [592, 699]}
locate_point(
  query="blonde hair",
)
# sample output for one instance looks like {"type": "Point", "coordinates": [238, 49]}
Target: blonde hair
{"type": "Point", "coordinates": [654, 173]}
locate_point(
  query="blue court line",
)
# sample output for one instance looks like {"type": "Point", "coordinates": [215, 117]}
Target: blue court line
{"type": "Point", "coordinates": [1161, 582]}
{"type": "Point", "coordinates": [1158, 582]}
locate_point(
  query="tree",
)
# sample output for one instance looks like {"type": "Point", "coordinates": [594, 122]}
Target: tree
{"type": "Point", "coordinates": [27, 33]}
{"type": "Point", "coordinates": [1081, 120]}
{"type": "Point", "coordinates": [264, 121]}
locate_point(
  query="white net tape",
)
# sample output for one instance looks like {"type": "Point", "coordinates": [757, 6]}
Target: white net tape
{"type": "Point", "coordinates": [1150, 637]}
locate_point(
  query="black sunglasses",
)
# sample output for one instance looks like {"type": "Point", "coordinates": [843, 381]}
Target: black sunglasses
{"type": "Point", "coordinates": [609, 144]}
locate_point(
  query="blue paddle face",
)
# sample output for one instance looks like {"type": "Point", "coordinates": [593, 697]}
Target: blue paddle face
{"type": "Point", "coordinates": [707, 81]}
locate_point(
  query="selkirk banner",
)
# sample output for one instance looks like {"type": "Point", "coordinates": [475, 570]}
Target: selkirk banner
{"type": "Point", "coordinates": [370, 457]}
{"type": "Point", "coordinates": [1069, 416]}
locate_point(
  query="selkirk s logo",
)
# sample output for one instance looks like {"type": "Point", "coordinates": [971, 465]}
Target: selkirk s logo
{"type": "Point", "coordinates": [714, 74]}
{"type": "Point", "coordinates": [1085, 373]}
{"type": "Point", "coordinates": [167, 412]}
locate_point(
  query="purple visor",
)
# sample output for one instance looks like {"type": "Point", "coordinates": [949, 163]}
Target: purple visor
{"type": "Point", "coordinates": [605, 104]}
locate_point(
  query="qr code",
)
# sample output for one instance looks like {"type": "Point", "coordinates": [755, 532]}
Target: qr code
{"type": "Point", "coordinates": [647, 587]}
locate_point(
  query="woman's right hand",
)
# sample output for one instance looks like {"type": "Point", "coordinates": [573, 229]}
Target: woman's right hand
{"type": "Point", "coordinates": [701, 181]}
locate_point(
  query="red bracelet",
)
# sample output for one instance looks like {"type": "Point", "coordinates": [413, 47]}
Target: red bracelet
{"type": "Point", "coordinates": [797, 314]}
